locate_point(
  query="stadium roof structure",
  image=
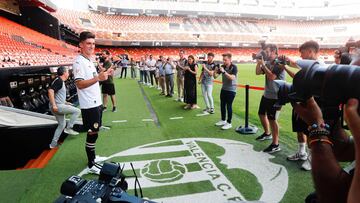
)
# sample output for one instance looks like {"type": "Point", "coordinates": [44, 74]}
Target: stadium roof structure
{"type": "Point", "coordinates": [268, 9]}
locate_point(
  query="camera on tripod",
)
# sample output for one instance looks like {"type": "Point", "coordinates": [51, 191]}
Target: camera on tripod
{"type": "Point", "coordinates": [109, 188]}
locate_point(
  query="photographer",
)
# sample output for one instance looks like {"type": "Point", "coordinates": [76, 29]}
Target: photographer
{"type": "Point", "coordinates": [329, 145]}
{"type": "Point", "coordinates": [310, 51]}
{"type": "Point", "coordinates": [108, 87]}
{"type": "Point", "coordinates": [228, 90]}
{"type": "Point", "coordinates": [353, 120]}
{"type": "Point", "coordinates": [87, 84]}
{"type": "Point", "coordinates": [206, 80]}
{"type": "Point", "coordinates": [268, 112]}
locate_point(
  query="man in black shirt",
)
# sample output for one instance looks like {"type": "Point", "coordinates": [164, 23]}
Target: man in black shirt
{"type": "Point", "coordinates": [108, 87]}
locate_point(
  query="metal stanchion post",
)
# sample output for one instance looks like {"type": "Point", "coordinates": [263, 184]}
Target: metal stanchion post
{"type": "Point", "coordinates": [247, 129]}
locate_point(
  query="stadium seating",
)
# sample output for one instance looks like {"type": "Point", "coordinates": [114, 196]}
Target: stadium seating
{"type": "Point", "coordinates": [219, 29]}
{"type": "Point", "coordinates": [21, 46]}
{"type": "Point", "coordinates": [239, 54]}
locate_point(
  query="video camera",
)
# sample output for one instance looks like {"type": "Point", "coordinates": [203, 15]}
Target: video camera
{"type": "Point", "coordinates": [333, 85]}
{"type": "Point", "coordinates": [261, 54]}
{"type": "Point", "coordinates": [109, 188]}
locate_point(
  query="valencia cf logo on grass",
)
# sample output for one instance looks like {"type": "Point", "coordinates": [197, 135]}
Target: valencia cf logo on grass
{"type": "Point", "coordinates": [204, 170]}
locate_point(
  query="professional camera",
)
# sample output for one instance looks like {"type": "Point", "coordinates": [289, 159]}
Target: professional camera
{"type": "Point", "coordinates": [261, 54]}
{"type": "Point", "coordinates": [333, 85]}
{"type": "Point", "coordinates": [281, 60]}
{"type": "Point", "coordinates": [111, 187]}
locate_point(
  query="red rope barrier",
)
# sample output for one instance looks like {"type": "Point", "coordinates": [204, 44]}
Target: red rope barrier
{"type": "Point", "coordinates": [243, 86]}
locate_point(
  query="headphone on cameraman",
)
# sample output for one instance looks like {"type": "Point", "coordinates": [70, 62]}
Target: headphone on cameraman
{"type": "Point", "coordinates": [61, 70]}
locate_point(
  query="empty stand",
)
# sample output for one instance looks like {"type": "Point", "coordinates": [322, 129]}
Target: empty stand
{"type": "Point", "coordinates": [22, 46]}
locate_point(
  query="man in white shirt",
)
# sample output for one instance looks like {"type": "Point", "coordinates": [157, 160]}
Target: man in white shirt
{"type": "Point", "coordinates": [87, 83]}
{"type": "Point", "coordinates": [152, 68]}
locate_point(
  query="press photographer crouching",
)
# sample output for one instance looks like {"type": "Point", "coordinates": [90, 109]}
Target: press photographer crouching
{"type": "Point", "coordinates": [328, 141]}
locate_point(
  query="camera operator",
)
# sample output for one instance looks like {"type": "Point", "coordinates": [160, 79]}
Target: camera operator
{"type": "Point", "coordinates": [268, 112]}
{"type": "Point", "coordinates": [310, 51]}
{"type": "Point", "coordinates": [329, 145]}
{"type": "Point", "coordinates": [107, 86]}
{"type": "Point", "coordinates": [87, 83]}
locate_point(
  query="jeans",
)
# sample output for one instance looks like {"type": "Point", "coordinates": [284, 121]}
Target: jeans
{"type": "Point", "coordinates": [226, 100]}
{"type": "Point", "coordinates": [153, 77]}
{"type": "Point", "coordinates": [169, 81]}
{"type": "Point", "coordinates": [64, 109]}
{"type": "Point", "coordinates": [207, 93]}
{"type": "Point", "coordinates": [122, 71]}
{"type": "Point", "coordinates": [147, 77]}
{"type": "Point", "coordinates": [141, 76]}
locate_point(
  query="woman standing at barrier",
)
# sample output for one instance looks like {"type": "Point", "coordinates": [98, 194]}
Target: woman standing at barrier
{"type": "Point", "coordinates": [228, 90]}
{"type": "Point", "coordinates": [190, 84]}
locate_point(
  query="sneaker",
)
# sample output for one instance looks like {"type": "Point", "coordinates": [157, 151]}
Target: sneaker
{"type": "Point", "coordinates": [51, 146]}
{"type": "Point", "coordinates": [307, 164]}
{"type": "Point", "coordinates": [212, 111]}
{"type": "Point", "coordinates": [187, 106]}
{"type": "Point", "coordinates": [70, 131]}
{"type": "Point", "coordinates": [104, 128]}
{"type": "Point", "coordinates": [226, 126]}
{"type": "Point", "coordinates": [100, 159]}
{"type": "Point", "coordinates": [104, 109]}
{"type": "Point", "coordinates": [114, 109]}
{"type": "Point", "coordinates": [168, 95]}
{"type": "Point", "coordinates": [206, 110]}
{"type": "Point", "coordinates": [272, 148]}
{"type": "Point", "coordinates": [182, 99]}
{"type": "Point", "coordinates": [205, 113]}
{"type": "Point", "coordinates": [94, 170]}
{"type": "Point", "coordinates": [297, 156]}
{"type": "Point", "coordinates": [220, 123]}
{"type": "Point", "coordinates": [263, 137]}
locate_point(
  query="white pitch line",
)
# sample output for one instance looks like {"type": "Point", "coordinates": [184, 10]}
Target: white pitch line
{"type": "Point", "coordinates": [147, 120]}
{"type": "Point", "coordinates": [202, 114]}
{"type": "Point", "coordinates": [176, 118]}
{"type": "Point", "coordinates": [119, 121]}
